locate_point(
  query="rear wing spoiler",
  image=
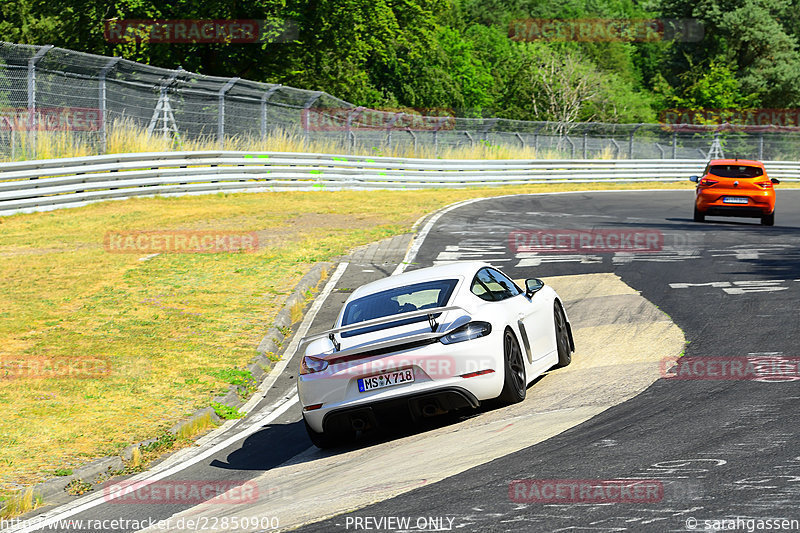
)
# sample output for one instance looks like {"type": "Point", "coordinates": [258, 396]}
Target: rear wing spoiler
{"type": "Point", "coordinates": [385, 320]}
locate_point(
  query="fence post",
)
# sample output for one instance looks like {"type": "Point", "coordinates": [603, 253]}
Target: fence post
{"type": "Point", "coordinates": [102, 100]}
{"type": "Point", "coordinates": [471, 140]}
{"type": "Point", "coordinates": [351, 140]}
{"type": "Point", "coordinates": [585, 151]}
{"type": "Point", "coordinates": [760, 146]}
{"type": "Point", "coordinates": [32, 122]}
{"type": "Point", "coordinates": [397, 116]}
{"type": "Point", "coordinates": [571, 147]}
{"type": "Point", "coordinates": [674, 144]}
{"type": "Point", "coordinates": [616, 147]}
{"type": "Point", "coordinates": [630, 140]}
{"type": "Point", "coordinates": [221, 117]}
{"type": "Point", "coordinates": [304, 119]}
{"type": "Point", "coordinates": [439, 124]}
{"type": "Point", "coordinates": [415, 140]}
{"type": "Point", "coordinates": [264, 98]}
{"type": "Point", "coordinates": [536, 137]}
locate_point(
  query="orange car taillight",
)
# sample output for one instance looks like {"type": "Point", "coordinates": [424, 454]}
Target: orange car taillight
{"type": "Point", "coordinates": [765, 184]}
{"type": "Point", "coordinates": [310, 365]}
{"type": "Point", "coordinates": [707, 182]}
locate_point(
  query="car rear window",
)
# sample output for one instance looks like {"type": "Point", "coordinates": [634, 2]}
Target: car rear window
{"type": "Point", "coordinates": [426, 295]}
{"type": "Point", "coordinates": [736, 171]}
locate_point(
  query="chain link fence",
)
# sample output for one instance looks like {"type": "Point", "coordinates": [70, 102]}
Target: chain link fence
{"type": "Point", "coordinates": [43, 88]}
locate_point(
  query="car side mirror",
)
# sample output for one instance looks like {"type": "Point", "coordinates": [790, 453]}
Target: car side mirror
{"type": "Point", "coordinates": [532, 286]}
{"type": "Point", "coordinates": [319, 347]}
{"type": "Point", "coordinates": [776, 181]}
{"type": "Point", "coordinates": [694, 179]}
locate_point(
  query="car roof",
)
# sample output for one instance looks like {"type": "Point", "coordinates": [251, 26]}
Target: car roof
{"type": "Point", "coordinates": [444, 271]}
{"type": "Point", "coordinates": [745, 162]}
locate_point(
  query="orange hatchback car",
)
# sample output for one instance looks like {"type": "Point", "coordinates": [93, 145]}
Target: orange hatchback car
{"type": "Point", "coordinates": [735, 188]}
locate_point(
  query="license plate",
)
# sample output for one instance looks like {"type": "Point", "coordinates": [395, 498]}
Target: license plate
{"type": "Point", "coordinates": [734, 200]}
{"type": "Point", "coordinates": [389, 379]}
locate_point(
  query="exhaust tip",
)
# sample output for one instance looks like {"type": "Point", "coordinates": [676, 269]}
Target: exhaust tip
{"type": "Point", "coordinates": [358, 424]}
{"type": "Point", "coordinates": [430, 409]}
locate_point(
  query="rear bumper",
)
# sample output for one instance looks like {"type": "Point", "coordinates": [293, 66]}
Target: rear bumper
{"type": "Point", "coordinates": [417, 405]}
{"type": "Point", "coordinates": [758, 204]}
{"type": "Point", "coordinates": [742, 211]}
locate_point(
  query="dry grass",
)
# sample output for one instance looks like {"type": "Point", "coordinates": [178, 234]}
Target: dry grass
{"type": "Point", "coordinates": [20, 503]}
{"type": "Point", "coordinates": [124, 136]}
{"type": "Point", "coordinates": [197, 426]}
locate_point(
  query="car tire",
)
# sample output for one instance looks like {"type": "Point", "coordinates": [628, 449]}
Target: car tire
{"type": "Point", "coordinates": [768, 220]}
{"type": "Point", "coordinates": [699, 216]}
{"type": "Point", "coordinates": [515, 381]}
{"type": "Point", "coordinates": [563, 345]}
{"type": "Point", "coordinates": [322, 440]}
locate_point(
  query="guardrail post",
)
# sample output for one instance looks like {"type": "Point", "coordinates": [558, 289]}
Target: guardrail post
{"type": "Point", "coordinates": [221, 117]}
{"type": "Point", "coordinates": [314, 97]}
{"type": "Point", "coordinates": [32, 119]}
{"type": "Point", "coordinates": [264, 99]}
{"type": "Point", "coordinates": [102, 101]}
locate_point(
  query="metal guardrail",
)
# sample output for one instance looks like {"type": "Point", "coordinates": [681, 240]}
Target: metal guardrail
{"type": "Point", "coordinates": [29, 186]}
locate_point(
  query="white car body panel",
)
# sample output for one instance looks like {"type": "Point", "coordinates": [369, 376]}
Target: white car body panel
{"type": "Point", "coordinates": [436, 366]}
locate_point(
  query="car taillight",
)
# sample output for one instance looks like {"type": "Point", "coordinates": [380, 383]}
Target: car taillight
{"type": "Point", "coordinates": [310, 365]}
{"type": "Point", "coordinates": [707, 182]}
{"type": "Point", "coordinates": [765, 184]}
{"type": "Point", "coordinates": [469, 331]}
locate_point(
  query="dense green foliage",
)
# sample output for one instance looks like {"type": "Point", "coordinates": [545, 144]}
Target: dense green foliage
{"type": "Point", "coordinates": [457, 54]}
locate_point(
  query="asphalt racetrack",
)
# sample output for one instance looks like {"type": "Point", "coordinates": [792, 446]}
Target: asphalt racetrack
{"type": "Point", "coordinates": [723, 448]}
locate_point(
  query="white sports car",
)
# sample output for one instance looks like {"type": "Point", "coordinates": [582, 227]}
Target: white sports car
{"type": "Point", "coordinates": [429, 341]}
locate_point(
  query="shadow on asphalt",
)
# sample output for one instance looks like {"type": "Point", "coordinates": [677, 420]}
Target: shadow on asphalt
{"type": "Point", "coordinates": [277, 444]}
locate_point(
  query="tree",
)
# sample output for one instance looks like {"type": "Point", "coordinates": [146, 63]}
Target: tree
{"type": "Point", "coordinates": [748, 37]}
